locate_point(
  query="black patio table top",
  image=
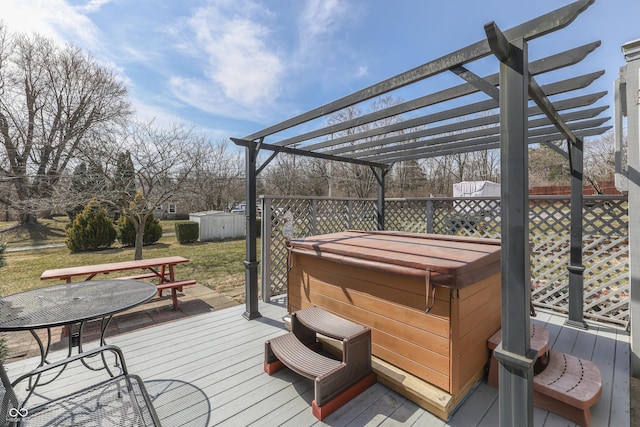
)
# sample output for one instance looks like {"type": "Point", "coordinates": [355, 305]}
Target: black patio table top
{"type": "Point", "coordinates": [71, 303]}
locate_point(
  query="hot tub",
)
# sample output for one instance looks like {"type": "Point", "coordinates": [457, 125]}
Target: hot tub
{"type": "Point", "coordinates": [431, 301]}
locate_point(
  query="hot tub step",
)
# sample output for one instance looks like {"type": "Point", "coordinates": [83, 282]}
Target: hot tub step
{"type": "Point", "coordinates": [562, 383]}
{"type": "Point", "coordinates": [335, 382]}
{"type": "Point", "coordinates": [328, 324]}
{"type": "Point", "coordinates": [568, 386]}
{"type": "Point", "coordinates": [300, 358]}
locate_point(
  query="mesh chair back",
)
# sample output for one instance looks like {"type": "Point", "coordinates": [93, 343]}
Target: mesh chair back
{"type": "Point", "coordinates": [9, 405]}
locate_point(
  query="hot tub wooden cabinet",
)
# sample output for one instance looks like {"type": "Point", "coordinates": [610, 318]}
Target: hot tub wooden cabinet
{"type": "Point", "coordinates": [431, 301]}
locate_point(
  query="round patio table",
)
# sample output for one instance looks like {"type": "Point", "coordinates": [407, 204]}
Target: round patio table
{"type": "Point", "coordinates": [71, 305]}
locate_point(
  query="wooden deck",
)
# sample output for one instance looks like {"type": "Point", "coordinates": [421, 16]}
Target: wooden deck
{"type": "Point", "coordinates": [207, 370]}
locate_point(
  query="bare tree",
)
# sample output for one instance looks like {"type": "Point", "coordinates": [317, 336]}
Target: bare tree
{"type": "Point", "coordinates": [547, 167]}
{"type": "Point", "coordinates": [599, 161]}
{"type": "Point", "coordinates": [52, 101]}
{"type": "Point", "coordinates": [216, 181]}
{"type": "Point", "coordinates": [296, 175]}
{"type": "Point", "coordinates": [354, 180]}
{"type": "Point", "coordinates": [407, 180]}
{"type": "Point", "coordinates": [162, 159]}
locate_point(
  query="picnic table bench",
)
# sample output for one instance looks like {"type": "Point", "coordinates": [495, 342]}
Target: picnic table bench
{"type": "Point", "coordinates": [161, 269]}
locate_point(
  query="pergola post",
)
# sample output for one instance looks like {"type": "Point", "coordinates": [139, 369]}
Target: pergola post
{"type": "Point", "coordinates": [380, 174]}
{"type": "Point", "coordinates": [251, 261]}
{"type": "Point", "coordinates": [514, 353]}
{"type": "Point", "coordinates": [576, 269]}
{"type": "Point", "coordinates": [631, 106]}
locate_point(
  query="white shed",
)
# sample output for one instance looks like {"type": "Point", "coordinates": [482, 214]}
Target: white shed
{"type": "Point", "coordinates": [218, 225]}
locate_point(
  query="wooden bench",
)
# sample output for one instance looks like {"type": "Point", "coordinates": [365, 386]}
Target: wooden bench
{"type": "Point", "coordinates": [175, 288]}
{"type": "Point", "coordinates": [562, 383]}
{"type": "Point", "coordinates": [335, 382]}
{"type": "Point", "coordinates": [138, 276]}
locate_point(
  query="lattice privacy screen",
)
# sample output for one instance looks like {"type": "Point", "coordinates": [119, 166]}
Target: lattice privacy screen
{"type": "Point", "coordinates": [605, 244]}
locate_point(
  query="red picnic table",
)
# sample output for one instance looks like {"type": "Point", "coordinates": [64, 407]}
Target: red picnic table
{"type": "Point", "coordinates": [158, 268]}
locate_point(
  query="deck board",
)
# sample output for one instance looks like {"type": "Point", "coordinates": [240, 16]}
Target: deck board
{"type": "Point", "coordinates": [208, 370]}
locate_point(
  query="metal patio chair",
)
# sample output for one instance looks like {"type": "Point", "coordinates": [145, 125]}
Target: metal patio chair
{"type": "Point", "coordinates": [121, 400]}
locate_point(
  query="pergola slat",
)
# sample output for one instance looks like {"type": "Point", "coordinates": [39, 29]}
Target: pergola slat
{"type": "Point", "coordinates": [541, 66]}
{"type": "Point", "coordinates": [537, 27]}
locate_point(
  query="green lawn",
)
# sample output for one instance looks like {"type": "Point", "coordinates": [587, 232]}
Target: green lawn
{"type": "Point", "coordinates": [217, 265]}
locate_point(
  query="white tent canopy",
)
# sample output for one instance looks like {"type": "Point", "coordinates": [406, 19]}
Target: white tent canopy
{"type": "Point", "coordinates": [476, 189]}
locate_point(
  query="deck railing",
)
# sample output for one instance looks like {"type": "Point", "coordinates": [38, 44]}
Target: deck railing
{"type": "Point", "coordinates": [605, 242]}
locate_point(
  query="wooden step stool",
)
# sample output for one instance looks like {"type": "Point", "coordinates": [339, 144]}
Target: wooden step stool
{"type": "Point", "coordinates": [335, 382]}
{"type": "Point", "coordinates": [562, 383]}
{"type": "Point", "coordinates": [539, 343]}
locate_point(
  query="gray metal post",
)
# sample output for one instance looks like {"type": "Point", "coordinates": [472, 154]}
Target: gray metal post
{"type": "Point", "coordinates": [380, 174]}
{"type": "Point", "coordinates": [632, 76]}
{"type": "Point", "coordinates": [430, 215]}
{"type": "Point", "coordinates": [576, 269]}
{"type": "Point", "coordinates": [514, 353]}
{"type": "Point", "coordinates": [251, 261]}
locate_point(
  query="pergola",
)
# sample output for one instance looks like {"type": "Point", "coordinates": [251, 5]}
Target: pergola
{"type": "Point", "coordinates": [480, 113]}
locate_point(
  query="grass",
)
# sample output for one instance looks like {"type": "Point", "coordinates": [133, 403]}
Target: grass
{"type": "Point", "coordinates": [217, 265]}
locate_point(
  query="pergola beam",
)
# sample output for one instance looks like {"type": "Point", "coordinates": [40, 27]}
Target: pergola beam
{"type": "Point", "coordinates": [490, 124]}
{"type": "Point", "coordinates": [294, 151]}
{"type": "Point", "coordinates": [541, 66]}
{"type": "Point", "coordinates": [537, 27]}
{"type": "Point", "coordinates": [491, 143]}
{"type": "Point", "coordinates": [368, 141]}
{"type": "Point", "coordinates": [540, 98]}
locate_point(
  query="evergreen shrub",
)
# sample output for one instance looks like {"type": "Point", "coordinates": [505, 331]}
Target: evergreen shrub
{"type": "Point", "coordinates": [92, 229]}
{"type": "Point", "coordinates": [127, 232]}
{"type": "Point", "coordinates": [187, 231]}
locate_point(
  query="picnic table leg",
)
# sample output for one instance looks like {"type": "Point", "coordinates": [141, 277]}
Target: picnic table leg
{"type": "Point", "coordinates": [162, 278]}
{"type": "Point", "coordinates": [174, 297]}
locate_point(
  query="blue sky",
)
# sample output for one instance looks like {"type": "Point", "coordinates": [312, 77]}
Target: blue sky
{"type": "Point", "coordinates": [232, 67]}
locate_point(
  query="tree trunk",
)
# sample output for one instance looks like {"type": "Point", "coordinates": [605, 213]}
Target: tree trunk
{"type": "Point", "coordinates": [139, 226]}
{"type": "Point", "coordinates": [27, 218]}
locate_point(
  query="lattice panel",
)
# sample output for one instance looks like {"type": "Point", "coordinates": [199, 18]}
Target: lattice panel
{"type": "Point", "coordinates": [406, 215]}
{"type": "Point", "coordinates": [605, 247]}
{"type": "Point", "coordinates": [549, 217]}
{"type": "Point", "coordinates": [289, 219]}
{"type": "Point", "coordinates": [606, 216]}
{"type": "Point", "coordinates": [605, 257]}
{"type": "Point", "coordinates": [474, 218]}
{"type": "Point", "coordinates": [361, 215]}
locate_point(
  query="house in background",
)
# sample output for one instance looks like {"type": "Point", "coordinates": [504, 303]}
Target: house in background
{"type": "Point", "coordinates": [170, 211]}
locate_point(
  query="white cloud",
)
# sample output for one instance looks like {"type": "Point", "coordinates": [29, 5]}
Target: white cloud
{"type": "Point", "coordinates": [93, 5]}
{"type": "Point", "coordinates": [319, 20]}
{"type": "Point", "coordinates": [239, 61]}
{"type": "Point", "coordinates": [160, 115]}
{"type": "Point", "coordinates": [54, 19]}
{"type": "Point", "coordinates": [320, 17]}
{"type": "Point", "coordinates": [208, 96]}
